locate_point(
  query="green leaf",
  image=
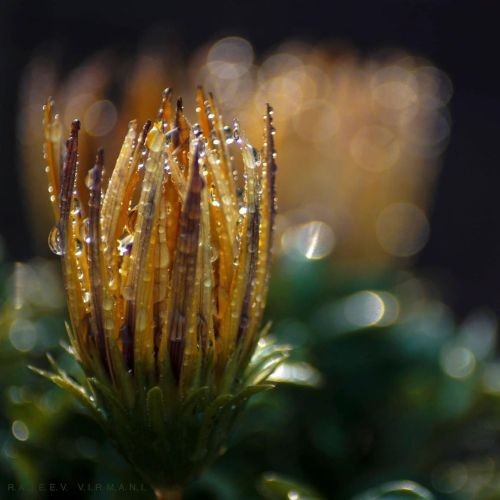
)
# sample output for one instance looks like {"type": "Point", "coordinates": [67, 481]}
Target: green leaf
{"type": "Point", "coordinates": [118, 421]}
{"type": "Point", "coordinates": [265, 367]}
{"type": "Point", "coordinates": [197, 398]}
{"type": "Point", "coordinates": [155, 410]}
{"type": "Point", "coordinates": [249, 391]}
{"type": "Point", "coordinates": [397, 490]}
{"type": "Point", "coordinates": [209, 421]}
{"type": "Point", "coordinates": [72, 387]}
{"type": "Point", "coordinates": [274, 487]}
{"type": "Point", "coordinates": [120, 374]}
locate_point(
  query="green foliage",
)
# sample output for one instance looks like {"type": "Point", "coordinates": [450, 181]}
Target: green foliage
{"type": "Point", "coordinates": [273, 487]}
{"type": "Point", "coordinates": [398, 490]}
{"type": "Point", "coordinates": [170, 440]}
{"type": "Point", "coordinates": [406, 400]}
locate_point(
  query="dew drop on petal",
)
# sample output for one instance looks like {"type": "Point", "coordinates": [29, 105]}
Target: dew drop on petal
{"type": "Point", "coordinates": [128, 292]}
{"type": "Point", "coordinates": [89, 178]}
{"type": "Point", "coordinates": [78, 247]}
{"type": "Point", "coordinates": [76, 207]}
{"type": "Point", "coordinates": [125, 244]}
{"type": "Point", "coordinates": [213, 197]}
{"type": "Point", "coordinates": [55, 243]}
{"type": "Point", "coordinates": [107, 304]}
{"type": "Point", "coordinates": [196, 130]}
{"type": "Point", "coordinates": [155, 141]}
{"type": "Point", "coordinates": [85, 230]}
{"type": "Point", "coordinates": [132, 218]}
{"type": "Point", "coordinates": [228, 134]}
{"type": "Point", "coordinates": [56, 130]}
{"type": "Point", "coordinates": [214, 254]}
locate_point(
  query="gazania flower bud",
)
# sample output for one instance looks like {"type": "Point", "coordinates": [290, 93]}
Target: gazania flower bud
{"type": "Point", "coordinates": [166, 273]}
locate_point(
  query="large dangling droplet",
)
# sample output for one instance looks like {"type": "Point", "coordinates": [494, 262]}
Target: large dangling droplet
{"type": "Point", "coordinates": [55, 241]}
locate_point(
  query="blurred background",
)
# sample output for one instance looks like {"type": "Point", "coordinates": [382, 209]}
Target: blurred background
{"type": "Point", "coordinates": [386, 278]}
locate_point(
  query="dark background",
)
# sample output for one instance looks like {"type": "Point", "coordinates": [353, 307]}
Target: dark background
{"type": "Point", "coordinates": [461, 37]}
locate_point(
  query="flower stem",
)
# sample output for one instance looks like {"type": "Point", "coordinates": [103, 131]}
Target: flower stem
{"type": "Point", "coordinates": [170, 494]}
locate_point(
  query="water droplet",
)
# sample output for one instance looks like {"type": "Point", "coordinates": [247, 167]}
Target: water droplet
{"type": "Point", "coordinates": [141, 319]}
{"type": "Point", "coordinates": [196, 130]}
{"type": "Point", "coordinates": [236, 131]}
{"type": "Point", "coordinates": [107, 304]}
{"type": "Point", "coordinates": [228, 133]}
{"type": "Point", "coordinates": [214, 254]}
{"type": "Point", "coordinates": [89, 177]}
{"type": "Point", "coordinates": [255, 156]}
{"type": "Point", "coordinates": [155, 140]}
{"type": "Point", "coordinates": [78, 247]}
{"type": "Point", "coordinates": [132, 218]}
{"type": "Point", "coordinates": [56, 131]}
{"type": "Point", "coordinates": [125, 244]}
{"type": "Point", "coordinates": [170, 135]}
{"type": "Point", "coordinates": [55, 241]}
{"type": "Point", "coordinates": [164, 258]}
{"type": "Point", "coordinates": [85, 233]}
{"type": "Point", "coordinates": [86, 297]}
{"type": "Point", "coordinates": [76, 207]}
{"type": "Point", "coordinates": [213, 197]}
